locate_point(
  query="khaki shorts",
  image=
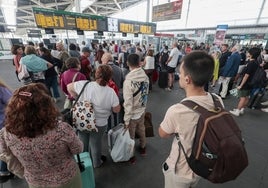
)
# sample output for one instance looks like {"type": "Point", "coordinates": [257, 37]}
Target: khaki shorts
{"type": "Point", "coordinates": [172, 180]}
{"type": "Point", "coordinates": [243, 93]}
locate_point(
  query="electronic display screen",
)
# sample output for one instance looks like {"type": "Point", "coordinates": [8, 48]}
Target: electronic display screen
{"type": "Point", "coordinates": [59, 19]}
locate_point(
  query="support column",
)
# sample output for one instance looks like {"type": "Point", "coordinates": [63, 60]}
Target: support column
{"type": "Point", "coordinates": [77, 5]}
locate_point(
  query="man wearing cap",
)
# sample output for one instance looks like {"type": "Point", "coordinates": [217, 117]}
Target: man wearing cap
{"type": "Point", "coordinates": [85, 64]}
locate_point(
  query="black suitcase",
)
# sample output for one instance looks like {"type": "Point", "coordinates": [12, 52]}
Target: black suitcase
{"type": "Point", "coordinates": [163, 79]}
{"type": "Point", "coordinates": [255, 98]}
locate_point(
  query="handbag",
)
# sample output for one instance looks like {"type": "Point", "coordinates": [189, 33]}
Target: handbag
{"type": "Point", "coordinates": [23, 74]}
{"type": "Point", "coordinates": [149, 129]}
{"type": "Point", "coordinates": [84, 116]}
{"type": "Point", "coordinates": [123, 148]}
{"type": "Point", "coordinates": [81, 115]}
{"type": "Point", "coordinates": [67, 113]}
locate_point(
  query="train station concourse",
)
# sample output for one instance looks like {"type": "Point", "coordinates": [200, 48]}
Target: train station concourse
{"type": "Point", "coordinates": [80, 37]}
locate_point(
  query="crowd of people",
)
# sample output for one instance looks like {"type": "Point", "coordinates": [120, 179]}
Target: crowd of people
{"type": "Point", "coordinates": [121, 77]}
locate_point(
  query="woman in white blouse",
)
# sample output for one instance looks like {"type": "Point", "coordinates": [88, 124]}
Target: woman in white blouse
{"type": "Point", "coordinates": [149, 65]}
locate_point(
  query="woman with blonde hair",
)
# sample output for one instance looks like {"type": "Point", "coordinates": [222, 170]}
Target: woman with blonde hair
{"type": "Point", "coordinates": [44, 146]}
{"type": "Point", "coordinates": [34, 64]}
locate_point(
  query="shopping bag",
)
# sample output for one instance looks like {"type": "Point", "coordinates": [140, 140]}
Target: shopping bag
{"type": "Point", "coordinates": [123, 148]}
{"type": "Point", "coordinates": [23, 73]}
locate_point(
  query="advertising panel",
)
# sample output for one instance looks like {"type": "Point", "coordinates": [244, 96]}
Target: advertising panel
{"type": "Point", "coordinates": [167, 11]}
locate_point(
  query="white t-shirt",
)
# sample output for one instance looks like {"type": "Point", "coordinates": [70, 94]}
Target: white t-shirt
{"type": "Point", "coordinates": [182, 120]}
{"type": "Point", "coordinates": [174, 54]}
{"type": "Point", "coordinates": [103, 98]}
{"type": "Point", "coordinates": [149, 62]}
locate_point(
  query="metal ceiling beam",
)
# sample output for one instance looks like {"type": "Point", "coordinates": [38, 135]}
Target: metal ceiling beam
{"type": "Point", "coordinates": [69, 8]}
{"type": "Point", "coordinates": [260, 12]}
{"type": "Point", "coordinates": [27, 17]}
{"type": "Point", "coordinates": [22, 19]}
{"type": "Point", "coordinates": [49, 5]}
{"type": "Point", "coordinates": [92, 10]}
{"type": "Point", "coordinates": [26, 11]}
{"type": "Point", "coordinates": [117, 4]}
{"type": "Point", "coordinates": [105, 7]}
{"type": "Point", "coordinates": [121, 2]}
{"type": "Point", "coordinates": [38, 3]}
{"type": "Point", "coordinates": [105, 13]}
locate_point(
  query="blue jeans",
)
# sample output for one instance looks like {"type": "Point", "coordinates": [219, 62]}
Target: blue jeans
{"type": "Point", "coordinates": [52, 82]}
{"type": "Point", "coordinates": [3, 167]}
{"type": "Point", "coordinates": [93, 144]}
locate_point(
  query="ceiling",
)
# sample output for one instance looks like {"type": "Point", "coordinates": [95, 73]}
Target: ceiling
{"type": "Point", "coordinates": [25, 17]}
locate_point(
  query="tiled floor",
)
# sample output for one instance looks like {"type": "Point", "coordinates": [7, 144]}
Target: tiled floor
{"type": "Point", "coordinates": [147, 171]}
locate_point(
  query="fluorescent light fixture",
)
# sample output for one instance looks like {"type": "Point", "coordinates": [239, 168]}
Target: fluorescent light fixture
{"type": "Point", "coordinates": [9, 8]}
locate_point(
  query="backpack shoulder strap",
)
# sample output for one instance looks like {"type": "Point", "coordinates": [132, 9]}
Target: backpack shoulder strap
{"type": "Point", "coordinates": [82, 90]}
{"type": "Point", "coordinates": [200, 109]}
{"type": "Point", "coordinates": [216, 101]}
{"type": "Point", "coordinates": [136, 93]}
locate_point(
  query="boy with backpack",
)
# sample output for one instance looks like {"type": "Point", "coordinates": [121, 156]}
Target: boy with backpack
{"type": "Point", "coordinates": [182, 168]}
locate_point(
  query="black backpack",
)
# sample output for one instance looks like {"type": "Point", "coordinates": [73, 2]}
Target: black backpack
{"type": "Point", "coordinates": [164, 57]}
{"type": "Point", "coordinates": [259, 79]}
{"type": "Point", "coordinates": [218, 152]}
{"type": "Point", "coordinates": [125, 59]}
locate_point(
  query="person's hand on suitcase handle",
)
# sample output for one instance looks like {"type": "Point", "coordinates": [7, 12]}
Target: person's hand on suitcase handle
{"type": "Point", "coordinates": [126, 126]}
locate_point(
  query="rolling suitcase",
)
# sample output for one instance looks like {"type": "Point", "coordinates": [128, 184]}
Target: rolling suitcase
{"type": "Point", "coordinates": [113, 133]}
{"type": "Point", "coordinates": [87, 175]}
{"type": "Point", "coordinates": [163, 79]}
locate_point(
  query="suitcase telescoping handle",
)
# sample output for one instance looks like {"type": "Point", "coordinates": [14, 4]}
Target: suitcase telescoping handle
{"type": "Point", "coordinates": [80, 163]}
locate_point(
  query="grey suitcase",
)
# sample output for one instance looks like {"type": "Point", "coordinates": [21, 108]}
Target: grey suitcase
{"type": "Point", "coordinates": [113, 133]}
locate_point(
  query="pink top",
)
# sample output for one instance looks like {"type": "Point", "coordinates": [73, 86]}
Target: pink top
{"type": "Point", "coordinates": [67, 78]}
{"type": "Point", "coordinates": [48, 160]}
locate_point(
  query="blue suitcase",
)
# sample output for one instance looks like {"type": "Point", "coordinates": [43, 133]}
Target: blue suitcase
{"type": "Point", "coordinates": [87, 175]}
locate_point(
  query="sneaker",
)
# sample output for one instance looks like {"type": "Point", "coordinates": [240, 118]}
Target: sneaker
{"type": "Point", "coordinates": [264, 103]}
{"type": "Point", "coordinates": [242, 111]}
{"type": "Point", "coordinates": [235, 112]}
{"type": "Point", "coordinates": [168, 89]}
{"type": "Point", "coordinates": [132, 160]}
{"type": "Point", "coordinates": [264, 109]}
{"type": "Point", "coordinates": [142, 151]}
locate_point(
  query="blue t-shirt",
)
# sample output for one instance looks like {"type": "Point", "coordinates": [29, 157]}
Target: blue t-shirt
{"type": "Point", "coordinates": [5, 95]}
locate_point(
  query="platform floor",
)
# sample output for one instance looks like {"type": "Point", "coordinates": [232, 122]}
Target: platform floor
{"type": "Point", "coordinates": [147, 170]}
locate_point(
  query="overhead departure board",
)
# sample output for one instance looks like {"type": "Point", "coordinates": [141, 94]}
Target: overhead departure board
{"type": "Point", "coordinates": [127, 26]}
{"type": "Point", "coordinates": [58, 19]}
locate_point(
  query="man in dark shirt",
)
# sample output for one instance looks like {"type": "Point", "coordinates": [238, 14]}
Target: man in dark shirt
{"type": "Point", "coordinates": [230, 69]}
{"type": "Point", "coordinates": [244, 87]}
{"type": "Point", "coordinates": [224, 56]}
